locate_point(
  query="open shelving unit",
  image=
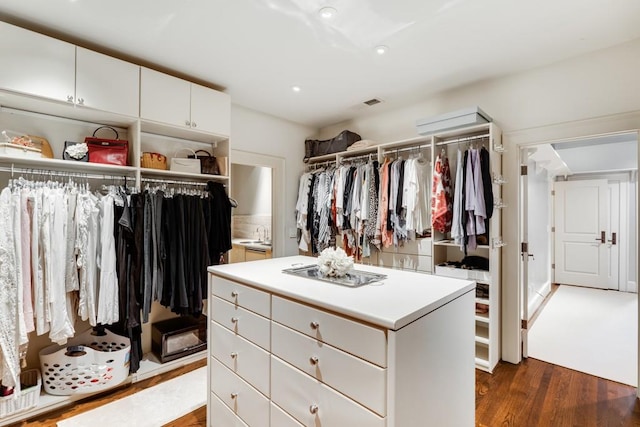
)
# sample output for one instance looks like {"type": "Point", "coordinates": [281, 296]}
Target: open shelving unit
{"type": "Point", "coordinates": [425, 254]}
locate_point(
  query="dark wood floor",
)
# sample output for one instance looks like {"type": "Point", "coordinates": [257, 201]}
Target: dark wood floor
{"type": "Point", "coordinates": [531, 394]}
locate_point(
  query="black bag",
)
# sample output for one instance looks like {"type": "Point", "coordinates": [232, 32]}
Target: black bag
{"type": "Point", "coordinates": [80, 146]}
{"type": "Point", "coordinates": [315, 147]}
{"type": "Point", "coordinates": [208, 163]}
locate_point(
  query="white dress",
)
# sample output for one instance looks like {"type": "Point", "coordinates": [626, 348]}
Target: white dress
{"type": "Point", "coordinates": [108, 285]}
{"type": "Point", "coordinates": [9, 355]}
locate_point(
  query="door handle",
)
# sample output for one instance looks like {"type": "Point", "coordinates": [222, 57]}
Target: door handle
{"type": "Point", "coordinates": [613, 240]}
{"type": "Point", "coordinates": [603, 237]}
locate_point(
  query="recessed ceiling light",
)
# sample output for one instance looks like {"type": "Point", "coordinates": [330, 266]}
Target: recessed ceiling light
{"type": "Point", "coordinates": [381, 50]}
{"type": "Point", "coordinates": [295, 88]}
{"type": "Point", "coordinates": [327, 12]}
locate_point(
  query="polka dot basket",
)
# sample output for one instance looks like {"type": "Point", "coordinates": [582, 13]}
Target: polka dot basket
{"type": "Point", "coordinates": [89, 363]}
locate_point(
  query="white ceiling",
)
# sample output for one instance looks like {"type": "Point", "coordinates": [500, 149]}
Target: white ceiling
{"type": "Point", "coordinates": [258, 49]}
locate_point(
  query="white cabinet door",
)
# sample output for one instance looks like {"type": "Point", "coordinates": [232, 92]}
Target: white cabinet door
{"type": "Point", "coordinates": [107, 83]}
{"type": "Point", "coordinates": [164, 98]}
{"type": "Point", "coordinates": [210, 110]}
{"type": "Point", "coordinates": [36, 64]}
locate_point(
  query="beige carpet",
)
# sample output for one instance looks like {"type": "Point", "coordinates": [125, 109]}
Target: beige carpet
{"type": "Point", "coordinates": [589, 330]}
{"type": "Point", "coordinates": [151, 407]}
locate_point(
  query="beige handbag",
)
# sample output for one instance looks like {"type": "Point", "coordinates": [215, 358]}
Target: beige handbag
{"type": "Point", "coordinates": [183, 164]}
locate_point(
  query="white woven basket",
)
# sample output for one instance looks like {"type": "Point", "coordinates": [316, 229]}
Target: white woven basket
{"type": "Point", "coordinates": [88, 363]}
{"type": "Point", "coordinates": [28, 397]}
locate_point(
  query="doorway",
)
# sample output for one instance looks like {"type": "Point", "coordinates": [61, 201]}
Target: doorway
{"type": "Point", "coordinates": [575, 194]}
{"type": "Point", "coordinates": [257, 184]}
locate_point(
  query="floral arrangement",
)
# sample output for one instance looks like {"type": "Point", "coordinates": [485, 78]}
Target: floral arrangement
{"type": "Point", "coordinates": [334, 262]}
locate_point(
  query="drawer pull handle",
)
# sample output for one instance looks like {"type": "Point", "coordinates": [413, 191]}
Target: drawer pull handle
{"type": "Point", "coordinates": [315, 325]}
{"type": "Point", "coordinates": [313, 409]}
{"type": "Point", "coordinates": [234, 355]}
{"type": "Point", "coordinates": [234, 294]}
{"type": "Point", "coordinates": [314, 360]}
{"type": "Point", "coordinates": [234, 320]}
{"type": "Point", "coordinates": [234, 395]}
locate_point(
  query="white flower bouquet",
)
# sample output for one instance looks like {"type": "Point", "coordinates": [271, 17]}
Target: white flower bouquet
{"type": "Point", "coordinates": [334, 262]}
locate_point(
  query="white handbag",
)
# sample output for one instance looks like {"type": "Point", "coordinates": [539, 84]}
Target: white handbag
{"type": "Point", "coordinates": [182, 164]}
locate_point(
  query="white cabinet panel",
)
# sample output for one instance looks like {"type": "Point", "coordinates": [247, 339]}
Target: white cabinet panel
{"type": "Point", "coordinates": [243, 322]}
{"type": "Point", "coordinates": [210, 110]}
{"type": "Point", "coordinates": [280, 418]}
{"type": "Point", "coordinates": [221, 416]}
{"type": "Point", "coordinates": [107, 83]}
{"type": "Point", "coordinates": [170, 100]}
{"type": "Point", "coordinates": [354, 377]}
{"type": "Point", "coordinates": [312, 403]}
{"type": "Point", "coordinates": [36, 64]}
{"type": "Point", "coordinates": [241, 356]}
{"type": "Point", "coordinates": [244, 400]}
{"type": "Point", "coordinates": [244, 296]}
{"type": "Point", "coordinates": [164, 98]}
{"type": "Point", "coordinates": [354, 337]}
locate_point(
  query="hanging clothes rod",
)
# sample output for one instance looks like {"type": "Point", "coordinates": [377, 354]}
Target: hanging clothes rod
{"type": "Point", "coordinates": [315, 166]}
{"type": "Point", "coordinates": [358, 157]}
{"type": "Point", "coordinates": [398, 150]}
{"type": "Point", "coordinates": [59, 174]}
{"type": "Point", "coordinates": [173, 181]}
{"type": "Point", "coordinates": [464, 139]}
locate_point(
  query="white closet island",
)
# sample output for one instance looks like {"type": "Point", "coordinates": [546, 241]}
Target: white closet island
{"type": "Point", "coordinates": [293, 351]}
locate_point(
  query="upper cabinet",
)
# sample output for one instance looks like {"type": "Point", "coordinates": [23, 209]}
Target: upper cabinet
{"type": "Point", "coordinates": [107, 83]}
{"type": "Point", "coordinates": [36, 64]}
{"type": "Point", "coordinates": [170, 100]}
{"type": "Point", "coordinates": [49, 68]}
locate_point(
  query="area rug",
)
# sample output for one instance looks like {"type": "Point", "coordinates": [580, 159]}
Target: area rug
{"type": "Point", "coordinates": [589, 330]}
{"type": "Point", "coordinates": [151, 407]}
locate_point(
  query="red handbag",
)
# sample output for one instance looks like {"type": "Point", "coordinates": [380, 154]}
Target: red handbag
{"type": "Point", "coordinates": [108, 151]}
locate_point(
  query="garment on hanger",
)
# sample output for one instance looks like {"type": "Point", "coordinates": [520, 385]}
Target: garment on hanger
{"type": "Point", "coordinates": [441, 204]}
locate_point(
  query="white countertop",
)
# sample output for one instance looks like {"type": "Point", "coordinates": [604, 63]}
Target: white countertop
{"type": "Point", "coordinates": [250, 243]}
{"type": "Point", "coordinates": [393, 303]}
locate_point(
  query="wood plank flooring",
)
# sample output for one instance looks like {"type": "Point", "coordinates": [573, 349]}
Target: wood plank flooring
{"type": "Point", "coordinates": [531, 394]}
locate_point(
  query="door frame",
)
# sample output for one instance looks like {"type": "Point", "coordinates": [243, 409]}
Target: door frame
{"type": "Point", "coordinates": [278, 191]}
{"type": "Point", "coordinates": [513, 141]}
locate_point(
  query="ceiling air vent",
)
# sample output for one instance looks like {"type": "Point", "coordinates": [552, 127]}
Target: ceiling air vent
{"type": "Point", "coordinates": [372, 102]}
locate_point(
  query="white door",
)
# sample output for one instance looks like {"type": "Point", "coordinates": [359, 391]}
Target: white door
{"type": "Point", "coordinates": [582, 253]}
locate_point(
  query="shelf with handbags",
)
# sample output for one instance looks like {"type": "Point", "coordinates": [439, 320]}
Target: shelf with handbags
{"type": "Point", "coordinates": [163, 155]}
{"type": "Point", "coordinates": [66, 144]}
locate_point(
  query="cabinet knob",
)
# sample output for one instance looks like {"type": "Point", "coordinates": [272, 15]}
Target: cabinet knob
{"type": "Point", "coordinates": [194, 124]}
{"type": "Point", "coordinates": [69, 98]}
{"type": "Point", "coordinates": [187, 122]}
{"type": "Point", "coordinates": [81, 101]}
{"type": "Point", "coordinates": [234, 395]}
{"type": "Point", "coordinates": [234, 294]}
{"type": "Point", "coordinates": [234, 355]}
{"type": "Point", "coordinates": [315, 325]}
{"type": "Point", "coordinates": [314, 360]}
{"type": "Point", "coordinates": [234, 320]}
{"type": "Point", "coordinates": [313, 409]}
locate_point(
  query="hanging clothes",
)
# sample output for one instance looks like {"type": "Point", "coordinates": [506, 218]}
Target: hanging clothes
{"type": "Point", "coordinates": [441, 205]}
{"type": "Point", "coordinates": [474, 199]}
{"type": "Point", "coordinates": [457, 228]}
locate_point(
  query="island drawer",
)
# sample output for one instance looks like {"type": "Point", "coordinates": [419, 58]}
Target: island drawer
{"type": "Point", "coordinates": [241, 356]}
{"type": "Point", "coordinates": [245, 323]}
{"type": "Point", "coordinates": [244, 400]}
{"type": "Point", "coordinates": [364, 382]}
{"type": "Point", "coordinates": [313, 403]}
{"type": "Point", "coordinates": [245, 296]}
{"type": "Point", "coordinates": [364, 341]}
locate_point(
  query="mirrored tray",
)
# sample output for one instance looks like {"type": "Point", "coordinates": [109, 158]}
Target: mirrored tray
{"type": "Point", "coordinates": [353, 278]}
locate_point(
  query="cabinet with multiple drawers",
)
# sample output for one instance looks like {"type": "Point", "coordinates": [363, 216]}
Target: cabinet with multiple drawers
{"type": "Point", "coordinates": [288, 351]}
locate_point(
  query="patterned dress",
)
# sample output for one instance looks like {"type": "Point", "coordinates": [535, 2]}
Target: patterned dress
{"type": "Point", "coordinates": [441, 205]}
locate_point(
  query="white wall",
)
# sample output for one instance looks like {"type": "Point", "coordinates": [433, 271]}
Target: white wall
{"type": "Point", "coordinates": [256, 132]}
{"type": "Point", "coordinates": [590, 94]}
